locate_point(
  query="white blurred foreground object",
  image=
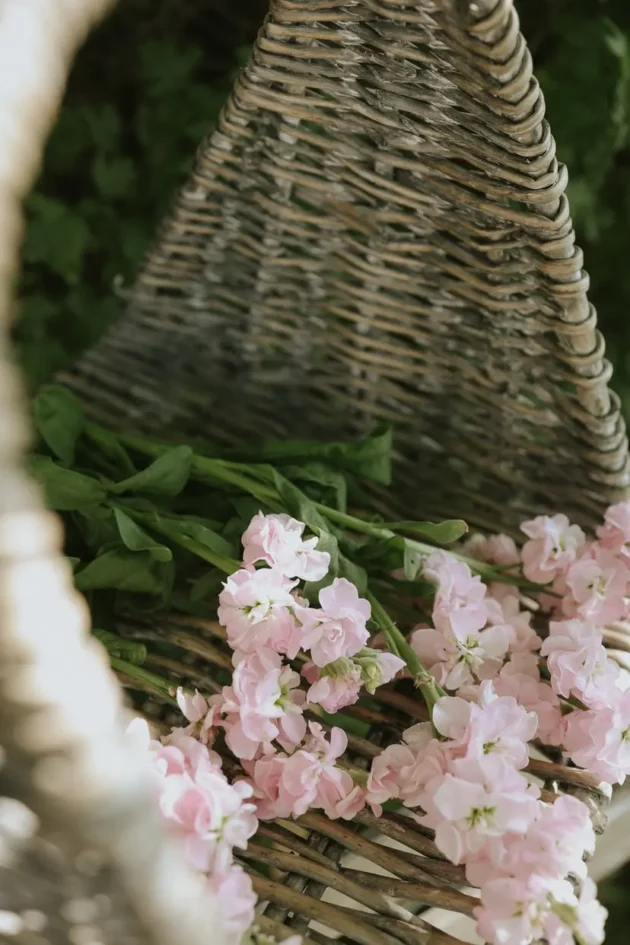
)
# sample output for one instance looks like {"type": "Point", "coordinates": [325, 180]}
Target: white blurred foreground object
{"type": "Point", "coordinates": [85, 840]}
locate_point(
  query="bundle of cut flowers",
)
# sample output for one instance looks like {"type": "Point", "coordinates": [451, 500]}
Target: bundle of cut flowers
{"type": "Point", "coordinates": [320, 607]}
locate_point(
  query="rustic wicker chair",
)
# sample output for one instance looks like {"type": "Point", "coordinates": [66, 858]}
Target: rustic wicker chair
{"type": "Point", "coordinates": [376, 231]}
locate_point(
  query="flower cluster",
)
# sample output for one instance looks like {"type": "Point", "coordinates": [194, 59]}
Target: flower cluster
{"type": "Point", "coordinates": [267, 622]}
{"type": "Point", "coordinates": [508, 672]}
{"type": "Point", "coordinates": [210, 815]}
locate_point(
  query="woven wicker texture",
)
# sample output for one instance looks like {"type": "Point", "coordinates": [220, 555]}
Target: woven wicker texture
{"type": "Point", "coordinates": [378, 231]}
{"type": "Point", "coordinates": [349, 879]}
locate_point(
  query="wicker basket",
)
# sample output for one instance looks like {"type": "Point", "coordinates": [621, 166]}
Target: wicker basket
{"type": "Point", "coordinates": [376, 231]}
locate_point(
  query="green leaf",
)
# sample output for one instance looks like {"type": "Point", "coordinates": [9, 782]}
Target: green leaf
{"type": "Point", "coordinates": [114, 176]}
{"type": "Point", "coordinates": [125, 570]}
{"type": "Point", "coordinates": [59, 419]}
{"type": "Point", "coordinates": [167, 475]}
{"type": "Point", "coordinates": [136, 539]}
{"type": "Point", "coordinates": [442, 533]}
{"type": "Point", "coordinates": [65, 490]}
{"type": "Point", "coordinates": [369, 458]}
{"type": "Point", "coordinates": [332, 481]}
{"type": "Point", "coordinates": [109, 444]}
{"type": "Point", "coordinates": [57, 236]}
{"type": "Point", "coordinates": [412, 562]}
{"type": "Point", "coordinates": [129, 650]}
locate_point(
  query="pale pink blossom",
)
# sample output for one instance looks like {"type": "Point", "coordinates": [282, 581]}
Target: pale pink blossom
{"type": "Point", "coordinates": [263, 703]}
{"type": "Point", "coordinates": [535, 696]}
{"type": "Point", "coordinates": [349, 805]}
{"type": "Point", "coordinates": [614, 534]}
{"type": "Point", "coordinates": [403, 771]}
{"type": "Point", "coordinates": [494, 549]}
{"type": "Point", "coordinates": [514, 912]}
{"type": "Point", "coordinates": [339, 628]}
{"type": "Point", "coordinates": [552, 548]}
{"type": "Point", "coordinates": [577, 660]}
{"type": "Point", "coordinates": [255, 607]}
{"type": "Point", "coordinates": [277, 540]}
{"type": "Point", "coordinates": [508, 613]}
{"type": "Point", "coordinates": [266, 780]}
{"type": "Point", "coordinates": [310, 776]}
{"type": "Point", "coordinates": [202, 714]}
{"type": "Point", "coordinates": [333, 692]}
{"type": "Point", "coordinates": [456, 661]}
{"type": "Point", "coordinates": [597, 582]}
{"type": "Point", "coordinates": [495, 725]}
{"type": "Point", "coordinates": [479, 799]}
{"type": "Point", "coordinates": [234, 892]}
{"type": "Point", "coordinates": [599, 739]}
{"type": "Point", "coordinates": [459, 607]}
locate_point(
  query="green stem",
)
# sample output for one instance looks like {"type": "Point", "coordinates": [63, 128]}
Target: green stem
{"type": "Point", "coordinates": [162, 687]}
{"type": "Point", "coordinates": [397, 643]}
{"type": "Point", "coordinates": [227, 565]}
{"type": "Point", "coordinates": [236, 474]}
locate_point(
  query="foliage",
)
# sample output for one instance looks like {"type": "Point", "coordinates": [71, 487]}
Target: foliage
{"type": "Point", "coordinates": [141, 97]}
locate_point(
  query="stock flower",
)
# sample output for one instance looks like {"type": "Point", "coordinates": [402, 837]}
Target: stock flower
{"type": "Point", "coordinates": [533, 695]}
{"type": "Point", "coordinates": [234, 892]}
{"type": "Point", "coordinates": [614, 534]}
{"type": "Point", "coordinates": [552, 547]}
{"type": "Point", "coordinates": [337, 685]}
{"type": "Point", "coordinates": [460, 607]}
{"type": "Point", "coordinates": [263, 703]}
{"type": "Point", "coordinates": [599, 739]}
{"type": "Point", "coordinates": [578, 662]}
{"type": "Point", "coordinates": [597, 583]}
{"type": "Point", "coordinates": [277, 540]}
{"type": "Point", "coordinates": [494, 549]}
{"type": "Point", "coordinates": [478, 799]}
{"type": "Point", "coordinates": [255, 607]}
{"type": "Point", "coordinates": [495, 725]}
{"type": "Point", "coordinates": [339, 628]}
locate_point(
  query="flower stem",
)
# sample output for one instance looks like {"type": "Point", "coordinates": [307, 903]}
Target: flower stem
{"type": "Point", "coordinates": [160, 686]}
{"type": "Point", "coordinates": [397, 643]}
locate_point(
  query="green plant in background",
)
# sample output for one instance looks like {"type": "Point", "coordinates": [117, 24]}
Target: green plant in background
{"type": "Point", "coordinates": [142, 96]}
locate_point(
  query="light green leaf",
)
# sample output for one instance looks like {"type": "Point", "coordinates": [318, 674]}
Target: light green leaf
{"type": "Point", "coordinates": [136, 539]}
{"type": "Point", "coordinates": [59, 419]}
{"type": "Point", "coordinates": [65, 490]}
{"type": "Point", "coordinates": [167, 475]}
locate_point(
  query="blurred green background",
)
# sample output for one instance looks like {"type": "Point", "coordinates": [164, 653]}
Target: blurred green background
{"type": "Point", "coordinates": [149, 84]}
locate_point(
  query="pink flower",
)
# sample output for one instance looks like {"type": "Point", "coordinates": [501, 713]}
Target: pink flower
{"type": "Point", "coordinates": [615, 532]}
{"type": "Point", "coordinates": [277, 539]}
{"type": "Point", "coordinates": [236, 897]}
{"type": "Point", "coordinates": [552, 548]}
{"type": "Point", "coordinates": [599, 739]}
{"type": "Point", "coordinates": [386, 777]}
{"type": "Point", "coordinates": [597, 583]}
{"type": "Point", "coordinates": [535, 696]}
{"type": "Point", "coordinates": [336, 690]}
{"type": "Point", "coordinates": [508, 612]}
{"type": "Point", "coordinates": [266, 779]}
{"type": "Point", "coordinates": [350, 805]}
{"type": "Point", "coordinates": [339, 628]}
{"type": "Point", "coordinates": [201, 713]}
{"type": "Point", "coordinates": [496, 725]}
{"type": "Point", "coordinates": [263, 703]}
{"type": "Point", "coordinates": [476, 801]}
{"type": "Point", "coordinates": [460, 607]}
{"type": "Point", "coordinates": [514, 912]}
{"type": "Point", "coordinates": [455, 662]}
{"type": "Point", "coordinates": [578, 661]}
{"type": "Point", "coordinates": [495, 549]}
{"type": "Point", "coordinates": [255, 607]}
{"type": "Point", "coordinates": [310, 777]}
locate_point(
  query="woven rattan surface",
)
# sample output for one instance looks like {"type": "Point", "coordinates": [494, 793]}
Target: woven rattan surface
{"type": "Point", "coordinates": [349, 878]}
{"type": "Point", "coordinates": [378, 231]}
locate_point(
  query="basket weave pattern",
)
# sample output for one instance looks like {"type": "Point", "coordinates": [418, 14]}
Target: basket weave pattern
{"type": "Point", "coordinates": [378, 231]}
